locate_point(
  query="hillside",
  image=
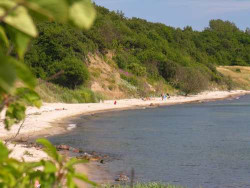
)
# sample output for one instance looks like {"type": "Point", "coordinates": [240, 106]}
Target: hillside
{"type": "Point", "coordinates": [120, 57]}
{"type": "Point", "coordinates": [240, 75]}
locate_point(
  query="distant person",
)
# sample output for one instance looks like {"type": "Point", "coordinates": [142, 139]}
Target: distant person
{"type": "Point", "coordinates": [162, 96]}
{"type": "Point", "coordinates": [165, 96]}
{"type": "Point", "coordinates": [168, 96]}
{"type": "Point", "coordinates": [115, 103]}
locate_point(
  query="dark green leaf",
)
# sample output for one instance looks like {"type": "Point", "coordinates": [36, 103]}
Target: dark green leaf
{"type": "Point", "coordinates": [7, 73]}
{"type": "Point", "coordinates": [49, 167]}
{"type": "Point", "coordinates": [3, 38]}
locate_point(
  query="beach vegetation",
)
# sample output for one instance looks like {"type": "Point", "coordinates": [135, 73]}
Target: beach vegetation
{"type": "Point", "coordinates": [144, 49]}
{"type": "Point", "coordinates": [237, 70]}
{"type": "Point", "coordinates": [50, 92]}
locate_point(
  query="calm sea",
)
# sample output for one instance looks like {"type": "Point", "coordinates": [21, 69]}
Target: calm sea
{"type": "Point", "coordinates": [192, 145]}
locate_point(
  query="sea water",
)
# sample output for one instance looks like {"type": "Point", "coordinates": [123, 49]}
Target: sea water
{"type": "Point", "coordinates": [193, 145]}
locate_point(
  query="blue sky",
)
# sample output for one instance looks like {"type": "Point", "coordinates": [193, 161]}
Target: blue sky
{"type": "Point", "coordinates": [180, 13]}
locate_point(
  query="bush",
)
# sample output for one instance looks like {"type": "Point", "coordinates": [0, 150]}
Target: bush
{"type": "Point", "coordinates": [168, 69]}
{"type": "Point", "coordinates": [75, 72]}
{"type": "Point", "coordinates": [121, 61]}
{"type": "Point", "coordinates": [130, 79]}
{"type": "Point", "coordinates": [137, 69]}
{"type": "Point", "coordinates": [229, 83]}
{"type": "Point", "coordinates": [56, 46]}
{"type": "Point", "coordinates": [189, 80]}
{"type": "Point", "coordinates": [238, 70]}
{"type": "Point", "coordinates": [152, 70]}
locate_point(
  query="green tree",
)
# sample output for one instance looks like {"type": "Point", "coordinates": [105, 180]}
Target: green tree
{"type": "Point", "coordinates": [75, 72]}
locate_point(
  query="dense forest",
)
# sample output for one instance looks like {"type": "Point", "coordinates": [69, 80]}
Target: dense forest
{"type": "Point", "coordinates": [183, 58]}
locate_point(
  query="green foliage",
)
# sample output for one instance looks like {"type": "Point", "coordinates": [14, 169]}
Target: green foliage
{"type": "Point", "coordinates": [58, 48]}
{"type": "Point", "coordinates": [49, 173]}
{"type": "Point", "coordinates": [237, 70]}
{"type": "Point", "coordinates": [190, 81]}
{"type": "Point", "coordinates": [17, 85]}
{"type": "Point", "coordinates": [168, 69]}
{"type": "Point", "coordinates": [130, 79]}
{"type": "Point", "coordinates": [143, 48]}
{"type": "Point", "coordinates": [229, 83]}
{"type": "Point", "coordinates": [137, 69]}
{"type": "Point", "coordinates": [53, 93]}
{"type": "Point", "coordinates": [75, 73]}
{"type": "Point", "coordinates": [16, 30]}
{"type": "Point", "coordinates": [121, 61]}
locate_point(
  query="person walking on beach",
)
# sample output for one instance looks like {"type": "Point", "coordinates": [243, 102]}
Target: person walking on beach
{"type": "Point", "coordinates": [162, 96]}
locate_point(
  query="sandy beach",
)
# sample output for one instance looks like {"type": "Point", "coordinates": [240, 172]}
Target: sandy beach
{"type": "Point", "coordinates": [48, 120]}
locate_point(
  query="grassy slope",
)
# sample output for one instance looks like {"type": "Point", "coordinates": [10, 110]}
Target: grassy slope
{"type": "Point", "coordinates": [239, 74]}
{"type": "Point", "coordinates": [53, 93]}
{"type": "Point", "coordinates": [49, 92]}
{"type": "Point", "coordinates": [115, 83]}
{"type": "Point", "coordinates": [106, 82]}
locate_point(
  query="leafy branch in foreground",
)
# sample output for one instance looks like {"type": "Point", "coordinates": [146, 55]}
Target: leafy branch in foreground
{"type": "Point", "coordinates": [56, 172]}
{"type": "Point", "coordinates": [17, 28]}
{"type": "Point", "coordinates": [17, 86]}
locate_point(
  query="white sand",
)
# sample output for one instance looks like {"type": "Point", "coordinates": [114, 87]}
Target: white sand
{"type": "Point", "coordinates": [40, 119]}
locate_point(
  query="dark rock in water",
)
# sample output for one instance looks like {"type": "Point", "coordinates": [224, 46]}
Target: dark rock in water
{"type": "Point", "coordinates": [102, 161]}
{"type": "Point", "coordinates": [63, 147]}
{"type": "Point", "coordinates": [151, 104]}
{"type": "Point", "coordinates": [122, 177]}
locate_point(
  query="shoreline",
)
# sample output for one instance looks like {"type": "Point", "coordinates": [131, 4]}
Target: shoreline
{"type": "Point", "coordinates": [50, 118]}
{"type": "Point", "coordinates": [54, 118]}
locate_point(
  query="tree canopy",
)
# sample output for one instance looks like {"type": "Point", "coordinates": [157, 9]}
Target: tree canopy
{"type": "Point", "coordinates": [153, 50]}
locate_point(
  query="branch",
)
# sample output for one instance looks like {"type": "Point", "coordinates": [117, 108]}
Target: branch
{"type": "Point", "coordinates": [18, 132]}
{"type": "Point", "coordinates": [55, 76]}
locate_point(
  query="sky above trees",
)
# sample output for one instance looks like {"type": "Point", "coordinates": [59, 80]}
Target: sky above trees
{"type": "Point", "coordinates": [180, 13]}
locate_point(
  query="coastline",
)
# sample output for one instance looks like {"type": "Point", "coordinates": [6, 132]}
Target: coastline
{"type": "Point", "coordinates": [50, 118]}
{"type": "Point", "coordinates": [53, 118]}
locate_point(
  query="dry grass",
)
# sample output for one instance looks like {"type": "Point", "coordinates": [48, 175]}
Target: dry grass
{"type": "Point", "coordinates": [239, 74]}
